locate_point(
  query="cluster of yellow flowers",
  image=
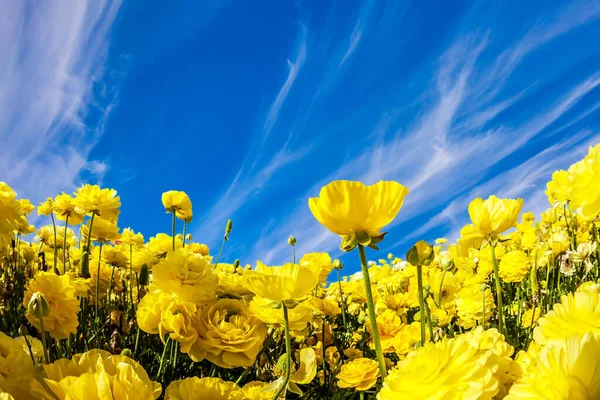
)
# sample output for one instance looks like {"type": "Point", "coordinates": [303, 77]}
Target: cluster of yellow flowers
{"type": "Point", "coordinates": [511, 310]}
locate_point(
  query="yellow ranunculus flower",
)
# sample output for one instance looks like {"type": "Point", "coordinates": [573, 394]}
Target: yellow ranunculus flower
{"type": "Point", "coordinates": [16, 368]}
{"type": "Point", "coordinates": [177, 202]}
{"type": "Point", "coordinates": [577, 314]}
{"type": "Point", "coordinates": [269, 312]}
{"type": "Point", "coordinates": [230, 335]}
{"type": "Point", "coordinates": [514, 266]}
{"type": "Point", "coordinates": [130, 238]}
{"type": "Point", "coordinates": [64, 206]}
{"type": "Point", "coordinates": [10, 211]}
{"type": "Point", "coordinates": [566, 369]}
{"type": "Point", "coordinates": [176, 320]}
{"type": "Point", "coordinates": [493, 215]}
{"type": "Point", "coordinates": [349, 208]}
{"type": "Point", "coordinates": [102, 202]}
{"type": "Point", "coordinates": [469, 305]}
{"type": "Point", "coordinates": [284, 283]}
{"type": "Point", "coordinates": [95, 375]}
{"type": "Point", "coordinates": [585, 191]}
{"type": "Point", "coordinates": [320, 262]}
{"type": "Point", "coordinates": [203, 388]}
{"type": "Point", "coordinates": [103, 230]}
{"type": "Point", "coordinates": [187, 275]}
{"type": "Point", "coordinates": [360, 374]}
{"type": "Point", "coordinates": [559, 188]}
{"type": "Point", "coordinates": [64, 305]}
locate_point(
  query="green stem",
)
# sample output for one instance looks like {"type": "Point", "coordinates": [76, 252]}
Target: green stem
{"type": "Point", "coordinates": [131, 278]}
{"type": "Point", "coordinates": [29, 348]}
{"type": "Point", "coordinates": [54, 228]}
{"type": "Point", "coordinates": [498, 290]}
{"type": "Point", "coordinates": [220, 252]}
{"type": "Point", "coordinates": [44, 344]}
{"type": "Point", "coordinates": [323, 348]}
{"type": "Point", "coordinates": [288, 351]}
{"type": "Point", "coordinates": [98, 278]}
{"type": "Point", "coordinates": [342, 299]}
{"type": "Point", "coordinates": [428, 311]}
{"type": "Point", "coordinates": [184, 233]}
{"type": "Point", "coordinates": [371, 310]}
{"type": "Point", "coordinates": [421, 301]}
{"type": "Point", "coordinates": [65, 246]}
{"type": "Point", "coordinates": [173, 229]}
{"type": "Point", "coordinates": [162, 358]}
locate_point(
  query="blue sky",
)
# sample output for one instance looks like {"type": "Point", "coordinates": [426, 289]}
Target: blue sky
{"type": "Point", "coordinates": [251, 107]}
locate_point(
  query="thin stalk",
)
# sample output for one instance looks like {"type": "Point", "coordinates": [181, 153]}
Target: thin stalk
{"type": "Point", "coordinates": [65, 246]}
{"type": "Point", "coordinates": [371, 310]}
{"type": "Point", "coordinates": [220, 252]}
{"type": "Point", "coordinates": [110, 285]}
{"type": "Point", "coordinates": [323, 347]}
{"type": "Point", "coordinates": [162, 358]}
{"type": "Point", "coordinates": [173, 229]}
{"type": "Point", "coordinates": [184, 233]}
{"type": "Point", "coordinates": [498, 290]}
{"type": "Point", "coordinates": [288, 351]}
{"type": "Point", "coordinates": [44, 344]}
{"type": "Point", "coordinates": [342, 298]}
{"type": "Point", "coordinates": [421, 301]}
{"type": "Point", "coordinates": [98, 277]}
{"type": "Point", "coordinates": [131, 277]}
{"type": "Point", "coordinates": [54, 228]}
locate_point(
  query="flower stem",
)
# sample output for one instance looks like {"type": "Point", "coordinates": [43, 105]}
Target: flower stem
{"type": "Point", "coordinates": [184, 233]}
{"type": "Point", "coordinates": [173, 229]}
{"type": "Point", "coordinates": [288, 351]}
{"type": "Point", "coordinates": [498, 290]}
{"type": "Point", "coordinates": [44, 344]}
{"type": "Point", "coordinates": [98, 278]}
{"type": "Point", "coordinates": [65, 246]}
{"type": "Point", "coordinates": [371, 310]}
{"type": "Point", "coordinates": [421, 301]}
{"type": "Point", "coordinates": [54, 228]}
{"type": "Point", "coordinates": [162, 358]}
{"type": "Point", "coordinates": [342, 298]}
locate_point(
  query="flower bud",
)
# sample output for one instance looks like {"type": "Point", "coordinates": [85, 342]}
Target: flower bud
{"type": "Point", "coordinates": [23, 331]}
{"type": "Point", "coordinates": [236, 264]}
{"type": "Point", "coordinates": [228, 229]}
{"type": "Point", "coordinates": [291, 240]}
{"type": "Point", "coordinates": [420, 254]}
{"type": "Point", "coordinates": [188, 237]}
{"type": "Point", "coordinates": [38, 305]}
{"type": "Point", "coordinates": [337, 264]}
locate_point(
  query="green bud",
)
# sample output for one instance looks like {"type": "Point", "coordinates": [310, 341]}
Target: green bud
{"type": "Point", "coordinates": [38, 305]}
{"type": "Point", "coordinates": [420, 254]}
{"type": "Point", "coordinates": [144, 275]}
{"type": "Point", "coordinates": [337, 264]}
{"type": "Point", "coordinates": [188, 237]}
{"type": "Point", "coordinates": [236, 264]}
{"type": "Point", "coordinates": [23, 331]}
{"type": "Point", "coordinates": [291, 240]}
{"type": "Point", "coordinates": [228, 227]}
{"type": "Point", "coordinates": [85, 265]}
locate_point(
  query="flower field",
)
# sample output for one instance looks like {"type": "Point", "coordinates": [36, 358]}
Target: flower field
{"type": "Point", "coordinates": [92, 310]}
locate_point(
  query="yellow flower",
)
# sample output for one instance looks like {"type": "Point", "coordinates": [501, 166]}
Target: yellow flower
{"type": "Point", "coordinates": [177, 202]}
{"type": "Point", "coordinates": [257, 390]}
{"type": "Point", "coordinates": [64, 306]}
{"type": "Point", "coordinates": [558, 189]}
{"type": "Point", "coordinates": [269, 312]}
{"type": "Point", "coordinates": [585, 192]}
{"type": "Point", "coordinates": [229, 334]}
{"type": "Point", "coordinates": [493, 215]}
{"type": "Point", "coordinates": [285, 283]}
{"type": "Point", "coordinates": [320, 262]}
{"type": "Point", "coordinates": [187, 275]}
{"type": "Point", "coordinates": [103, 202]}
{"type": "Point", "coordinates": [389, 325]}
{"type": "Point", "coordinates": [10, 210]}
{"type": "Point", "coordinates": [47, 207]}
{"type": "Point", "coordinates": [450, 369]}
{"type": "Point", "coordinates": [199, 248]}
{"type": "Point", "coordinates": [36, 347]}
{"type": "Point", "coordinates": [176, 320]}
{"type": "Point", "coordinates": [514, 266]}
{"type": "Point", "coordinates": [203, 388]}
{"type": "Point", "coordinates": [106, 272]}
{"type": "Point", "coordinates": [130, 238]}
{"type": "Point", "coordinates": [469, 239]}
{"type": "Point", "coordinates": [64, 206]}
{"type": "Point", "coordinates": [406, 338]}
{"type": "Point", "coordinates": [161, 244]}
{"type": "Point", "coordinates": [577, 314]}
{"type": "Point", "coordinates": [231, 281]}
{"type": "Point", "coordinates": [103, 230]}
{"type": "Point", "coordinates": [16, 368]}
{"type": "Point", "coordinates": [470, 305]}
{"type": "Point", "coordinates": [360, 374]}
{"type": "Point", "coordinates": [350, 208]}
{"type": "Point", "coordinates": [95, 375]}
{"type": "Point", "coordinates": [565, 369]}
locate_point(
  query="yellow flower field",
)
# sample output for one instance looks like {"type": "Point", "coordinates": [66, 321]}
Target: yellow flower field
{"type": "Point", "coordinates": [510, 311]}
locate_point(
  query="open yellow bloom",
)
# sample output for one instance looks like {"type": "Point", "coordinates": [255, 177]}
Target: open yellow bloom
{"type": "Point", "coordinates": [284, 283]}
{"type": "Point", "coordinates": [177, 202]}
{"type": "Point", "coordinates": [230, 335]}
{"type": "Point", "coordinates": [360, 374]}
{"type": "Point", "coordinates": [320, 262]}
{"type": "Point", "coordinates": [103, 230]}
{"type": "Point", "coordinates": [559, 188]}
{"type": "Point", "coordinates": [566, 369]}
{"type": "Point", "coordinates": [576, 314]}
{"type": "Point", "coordinates": [102, 202]}
{"type": "Point", "coordinates": [95, 375]}
{"type": "Point", "coordinates": [186, 275]}
{"type": "Point", "coordinates": [348, 208]}
{"type": "Point", "coordinates": [64, 306]}
{"type": "Point", "coordinates": [585, 191]}
{"type": "Point", "coordinates": [469, 305]}
{"type": "Point", "coordinates": [10, 210]}
{"type": "Point", "coordinates": [269, 312]}
{"type": "Point", "coordinates": [64, 206]}
{"type": "Point", "coordinates": [514, 266]}
{"type": "Point", "coordinates": [493, 215]}
{"type": "Point", "coordinates": [203, 388]}
{"type": "Point", "coordinates": [16, 369]}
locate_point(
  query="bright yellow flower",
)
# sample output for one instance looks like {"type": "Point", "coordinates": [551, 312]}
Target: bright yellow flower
{"type": "Point", "coordinates": [106, 272]}
{"type": "Point", "coordinates": [514, 266]}
{"type": "Point", "coordinates": [469, 239]}
{"type": "Point", "coordinates": [469, 305]}
{"type": "Point", "coordinates": [16, 368]}
{"type": "Point", "coordinates": [565, 369]}
{"type": "Point", "coordinates": [64, 206]}
{"type": "Point", "coordinates": [177, 202]}
{"type": "Point", "coordinates": [102, 202]}
{"type": "Point", "coordinates": [406, 338]}
{"type": "Point", "coordinates": [585, 191]}
{"type": "Point", "coordinates": [577, 314]}
{"type": "Point", "coordinates": [284, 283]}
{"type": "Point", "coordinates": [64, 306]}
{"type": "Point", "coordinates": [161, 244]}
{"type": "Point", "coordinates": [96, 375]}
{"type": "Point", "coordinates": [258, 390]}
{"type": "Point", "coordinates": [186, 275]}
{"type": "Point", "coordinates": [530, 317]}
{"type": "Point", "coordinates": [320, 262]}
{"type": "Point", "coordinates": [559, 188]}
{"type": "Point", "coordinates": [360, 374]}
{"type": "Point", "coordinates": [103, 230]}
{"type": "Point", "coordinates": [493, 215]}
{"type": "Point", "coordinates": [130, 238]}
{"type": "Point", "coordinates": [47, 207]}
{"type": "Point", "coordinates": [269, 312]}
{"type": "Point", "coordinates": [203, 388]}
{"type": "Point", "coordinates": [199, 248]}
{"type": "Point", "coordinates": [10, 210]}
{"type": "Point", "coordinates": [229, 334]}
{"type": "Point", "coordinates": [451, 369]}
{"type": "Point", "coordinates": [348, 208]}
{"type": "Point", "coordinates": [389, 325]}
{"type": "Point", "coordinates": [231, 281]}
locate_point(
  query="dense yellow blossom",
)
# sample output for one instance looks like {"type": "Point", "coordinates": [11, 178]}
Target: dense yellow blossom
{"type": "Point", "coordinates": [360, 374]}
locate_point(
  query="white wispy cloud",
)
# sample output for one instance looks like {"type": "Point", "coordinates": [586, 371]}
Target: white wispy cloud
{"type": "Point", "coordinates": [447, 153]}
{"type": "Point", "coordinates": [53, 98]}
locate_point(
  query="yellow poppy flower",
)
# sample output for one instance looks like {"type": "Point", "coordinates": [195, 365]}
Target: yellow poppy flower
{"type": "Point", "coordinates": [493, 215]}
{"type": "Point", "coordinates": [284, 283]}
